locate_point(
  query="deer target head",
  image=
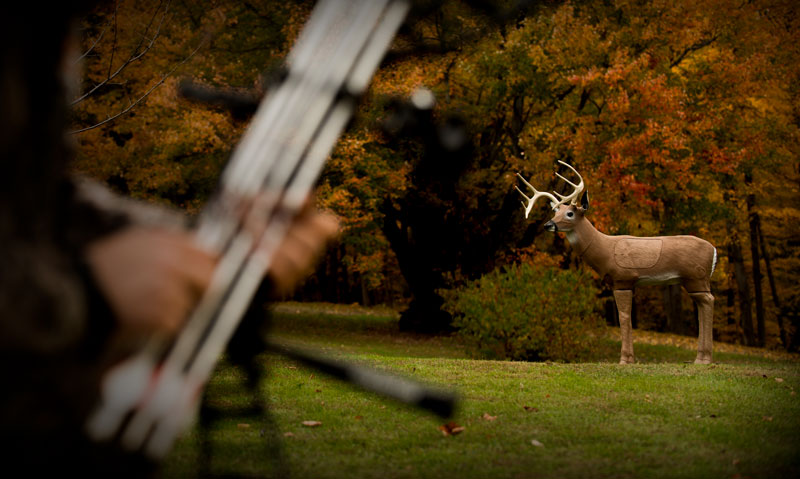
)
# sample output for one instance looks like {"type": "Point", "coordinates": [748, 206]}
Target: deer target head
{"type": "Point", "coordinates": [567, 216]}
{"type": "Point", "coordinates": [568, 211]}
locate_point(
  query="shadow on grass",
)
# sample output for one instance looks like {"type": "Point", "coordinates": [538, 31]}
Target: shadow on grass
{"type": "Point", "coordinates": [350, 329]}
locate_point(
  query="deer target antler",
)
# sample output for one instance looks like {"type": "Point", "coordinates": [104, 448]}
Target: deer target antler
{"type": "Point", "coordinates": [572, 198]}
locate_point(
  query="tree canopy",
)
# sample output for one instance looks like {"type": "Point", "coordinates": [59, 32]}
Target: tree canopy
{"type": "Point", "coordinates": [681, 116]}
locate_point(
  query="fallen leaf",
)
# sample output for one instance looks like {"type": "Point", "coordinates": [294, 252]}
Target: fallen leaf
{"type": "Point", "coordinates": [778, 380]}
{"type": "Point", "coordinates": [793, 393]}
{"type": "Point", "coordinates": [288, 434]}
{"type": "Point", "coordinates": [312, 423]}
{"type": "Point", "coordinates": [536, 443]}
{"type": "Point", "coordinates": [767, 418]}
{"type": "Point", "coordinates": [242, 426]}
{"type": "Point", "coordinates": [547, 395]}
{"type": "Point", "coordinates": [358, 418]}
{"type": "Point", "coordinates": [736, 462]}
{"type": "Point", "coordinates": [291, 367]}
{"type": "Point", "coordinates": [451, 429]}
{"type": "Point", "coordinates": [318, 390]}
{"type": "Point", "coordinates": [488, 417]}
{"type": "Point", "coordinates": [530, 408]}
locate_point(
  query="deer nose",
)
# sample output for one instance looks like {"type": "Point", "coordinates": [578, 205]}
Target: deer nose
{"type": "Point", "coordinates": [550, 226]}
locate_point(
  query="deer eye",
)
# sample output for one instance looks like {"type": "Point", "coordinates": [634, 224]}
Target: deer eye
{"type": "Point", "coordinates": [570, 214]}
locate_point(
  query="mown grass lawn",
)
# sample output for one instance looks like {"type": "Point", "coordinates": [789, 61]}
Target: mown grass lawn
{"type": "Point", "coordinates": [662, 417]}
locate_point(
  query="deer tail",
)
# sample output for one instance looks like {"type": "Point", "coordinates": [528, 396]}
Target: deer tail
{"type": "Point", "coordinates": [713, 263]}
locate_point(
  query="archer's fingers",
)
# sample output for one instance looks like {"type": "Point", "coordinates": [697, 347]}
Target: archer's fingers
{"type": "Point", "coordinates": [299, 251]}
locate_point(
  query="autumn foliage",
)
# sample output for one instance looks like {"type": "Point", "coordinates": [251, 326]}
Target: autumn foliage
{"type": "Point", "coordinates": [682, 117]}
{"type": "Point", "coordinates": [521, 312]}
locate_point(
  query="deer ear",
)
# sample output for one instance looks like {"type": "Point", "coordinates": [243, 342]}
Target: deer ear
{"type": "Point", "coordinates": [585, 200]}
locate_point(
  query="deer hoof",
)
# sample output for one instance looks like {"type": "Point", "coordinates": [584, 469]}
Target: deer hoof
{"type": "Point", "coordinates": [626, 360]}
{"type": "Point", "coordinates": [702, 360]}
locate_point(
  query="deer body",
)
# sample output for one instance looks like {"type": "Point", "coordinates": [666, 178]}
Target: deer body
{"type": "Point", "coordinates": [625, 262]}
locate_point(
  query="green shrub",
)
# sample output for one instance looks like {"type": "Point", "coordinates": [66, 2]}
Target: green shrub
{"type": "Point", "coordinates": [523, 312]}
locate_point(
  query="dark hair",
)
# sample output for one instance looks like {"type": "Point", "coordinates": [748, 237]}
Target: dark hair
{"type": "Point", "coordinates": [33, 149]}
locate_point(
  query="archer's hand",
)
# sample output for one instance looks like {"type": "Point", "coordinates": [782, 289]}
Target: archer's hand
{"type": "Point", "coordinates": [151, 278]}
{"type": "Point", "coordinates": [306, 240]}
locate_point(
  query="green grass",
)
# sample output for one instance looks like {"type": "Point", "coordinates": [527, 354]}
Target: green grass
{"type": "Point", "coordinates": [662, 417]}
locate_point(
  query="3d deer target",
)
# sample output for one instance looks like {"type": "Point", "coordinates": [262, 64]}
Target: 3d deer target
{"type": "Point", "coordinates": [626, 262]}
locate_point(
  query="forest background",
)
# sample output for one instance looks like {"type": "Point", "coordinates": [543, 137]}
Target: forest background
{"type": "Point", "coordinates": [683, 117]}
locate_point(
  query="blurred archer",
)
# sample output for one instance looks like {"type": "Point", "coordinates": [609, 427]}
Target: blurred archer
{"type": "Point", "coordinates": [83, 270]}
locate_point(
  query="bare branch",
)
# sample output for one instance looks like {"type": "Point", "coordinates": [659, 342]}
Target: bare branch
{"type": "Point", "coordinates": [692, 48]}
{"type": "Point", "coordinates": [145, 95]}
{"type": "Point", "coordinates": [94, 44]}
{"type": "Point", "coordinates": [134, 56]}
{"type": "Point", "coordinates": [114, 43]}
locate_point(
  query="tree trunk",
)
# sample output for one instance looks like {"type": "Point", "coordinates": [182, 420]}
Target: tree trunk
{"type": "Point", "coordinates": [771, 278]}
{"type": "Point", "coordinates": [730, 302]}
{"type": "Point", "coordinates": [673, 307]}
{"type": "Point", "coordinates": [364, 290]}
{"type": "Point", "coordinates": [612, 317]}
{"type": "Point", "coordinates": [746, 313]}
{"type": "Point", "coordinates": [730, 295]}
{"type": "Point", "coordinates": [424, 313]}
{"type": "Point", "coordinates": [753, 220]}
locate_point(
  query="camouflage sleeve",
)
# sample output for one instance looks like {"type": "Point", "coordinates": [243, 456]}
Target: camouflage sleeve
{"type": "Point", "coordinates": [136, 212]}
{"type": "Point", "coordinates": [48, 298]}
{"type": "Point", "coordinates": [42, 300]}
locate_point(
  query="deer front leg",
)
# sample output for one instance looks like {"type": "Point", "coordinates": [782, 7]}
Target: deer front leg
{"type": "Point", "coordinates": [624, 299]}
{"type": "Point", "coordinates": [705, 319]}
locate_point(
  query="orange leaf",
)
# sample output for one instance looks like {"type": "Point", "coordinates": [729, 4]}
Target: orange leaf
{"type": "Point", "coordinates": [451, 429]}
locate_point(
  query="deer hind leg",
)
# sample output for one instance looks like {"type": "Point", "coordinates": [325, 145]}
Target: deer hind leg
{"type": "Point", "coordinates": [624, 299]}
{"type": "Point", "coordinates": [705, 318]}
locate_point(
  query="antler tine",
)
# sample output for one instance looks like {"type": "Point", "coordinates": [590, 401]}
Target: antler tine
{"type": "Point", "coordinates": [566, 180]}
{"type": "Point", "coordinates": [536, 195]}
{"type": "Point", "coordinates": [573, 197]}
{"type": "Point", "coordinates": [525, 205]}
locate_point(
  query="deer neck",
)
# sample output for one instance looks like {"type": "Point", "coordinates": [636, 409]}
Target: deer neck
{"type": "Point", "coordinates": [582, 236]}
